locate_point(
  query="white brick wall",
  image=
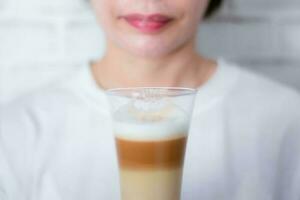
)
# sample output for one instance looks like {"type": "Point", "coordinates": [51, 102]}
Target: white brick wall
{"type": "Point", "coordinates": [234, 39]}
{"type": "Point", "coordinates": [27, 39]}
{"type": "Point", "coordinates": [266, 6]}
{"type": "Point", "coordinates": [83, 39]}
{"type": "Point", "coordinates": [41, 41]}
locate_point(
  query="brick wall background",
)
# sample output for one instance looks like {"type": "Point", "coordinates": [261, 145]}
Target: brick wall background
{"type": "Point", "coordinates": [41, 41]}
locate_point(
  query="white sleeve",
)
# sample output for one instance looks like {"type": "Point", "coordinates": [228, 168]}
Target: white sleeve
{"type": "Point", "coordinates": [17, 130]}
{"type": "Point", "coordinates": [288, 180]}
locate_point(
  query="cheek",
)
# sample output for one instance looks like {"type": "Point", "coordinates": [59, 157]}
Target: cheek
{"type": "Point", "coordinates": [103, 11]}
{"type": "Point", "coordinates": [192, 12]}
{"type": "Point", "coordinates": [194, 9]}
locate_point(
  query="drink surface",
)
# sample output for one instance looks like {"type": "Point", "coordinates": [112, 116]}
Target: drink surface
{"type": "Point", "coordinates": [150, 123]}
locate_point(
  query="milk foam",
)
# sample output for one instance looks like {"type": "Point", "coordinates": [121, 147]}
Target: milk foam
{"type": "Point", "coordinates": [166, 122]}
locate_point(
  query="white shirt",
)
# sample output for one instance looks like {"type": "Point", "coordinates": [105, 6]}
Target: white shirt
{"type": "Point", "coordinates": [244, 142]}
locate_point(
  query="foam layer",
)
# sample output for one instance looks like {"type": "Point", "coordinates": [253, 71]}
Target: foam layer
{"type": "Point", "coordinates": [164, 122]}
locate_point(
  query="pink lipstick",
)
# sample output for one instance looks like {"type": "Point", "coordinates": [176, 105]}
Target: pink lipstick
{"type": "Point", "coordinates": [148, 23]}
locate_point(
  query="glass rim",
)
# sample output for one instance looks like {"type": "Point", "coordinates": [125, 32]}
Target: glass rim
{"type": "Point", "coordinates": [185, 90]}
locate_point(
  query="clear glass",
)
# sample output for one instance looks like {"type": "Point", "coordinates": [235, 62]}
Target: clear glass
{"type": "Point", "coordinates": [151, 126]}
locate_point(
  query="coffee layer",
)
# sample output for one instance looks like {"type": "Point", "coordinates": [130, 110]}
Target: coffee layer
{"type": "Point", "coordinates": [161, 184]}
{"type": "Point", "coordinates": [151, 154]}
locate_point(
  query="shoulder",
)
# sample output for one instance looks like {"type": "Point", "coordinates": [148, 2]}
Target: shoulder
{"type": "Point", "coordinates": [40, 108]}
{"type": "Point", "coordinates": [33, 122]}
{"type": "Point", "coordinates": [59, 93]}
{"type": "Point", "coordinates": [261, 100]}
{"type": "Point", "coordinates": [261, 89]}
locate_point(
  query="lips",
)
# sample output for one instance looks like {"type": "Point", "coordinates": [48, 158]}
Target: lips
{"type": "Point", "coordinates": [148, 23]}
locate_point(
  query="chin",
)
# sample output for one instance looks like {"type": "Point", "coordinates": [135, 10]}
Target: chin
{"type": "Point", "coordinates": [151, 49]}
{"type": "Point", "coordinates": [146, 52]}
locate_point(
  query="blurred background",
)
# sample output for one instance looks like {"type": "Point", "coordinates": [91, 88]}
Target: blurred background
{"type": "Point", "coordinates": [44, 40]}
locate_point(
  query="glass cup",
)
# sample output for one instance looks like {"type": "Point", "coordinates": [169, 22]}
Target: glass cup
{"type": "Point", "coordinates": [151, 127]}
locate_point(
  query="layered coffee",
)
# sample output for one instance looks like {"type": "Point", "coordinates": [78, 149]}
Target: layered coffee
{"type": "Point", "coordinates": [151, 148]}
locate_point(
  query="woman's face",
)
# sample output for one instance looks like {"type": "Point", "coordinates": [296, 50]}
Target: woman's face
{"type": "Point", "coordinates": [149, 28]}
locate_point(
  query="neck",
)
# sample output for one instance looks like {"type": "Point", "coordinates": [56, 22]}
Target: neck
{"type": "Point", "coordinates": [182, 68]}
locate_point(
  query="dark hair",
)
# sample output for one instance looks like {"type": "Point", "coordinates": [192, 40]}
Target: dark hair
{"type": "Point", "coordinates": [213, 6]}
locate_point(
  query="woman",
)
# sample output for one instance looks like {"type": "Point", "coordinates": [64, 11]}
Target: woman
{"type": "Point", "coordinates": [244, 139]}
